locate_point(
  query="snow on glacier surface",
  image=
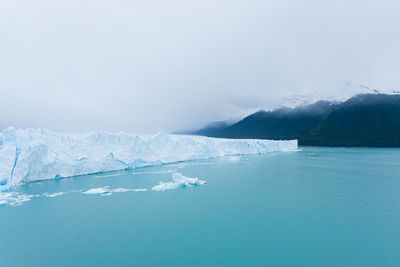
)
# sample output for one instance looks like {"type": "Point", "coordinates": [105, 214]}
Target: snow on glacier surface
{"type": "Point", "coordinates": [38, 154]}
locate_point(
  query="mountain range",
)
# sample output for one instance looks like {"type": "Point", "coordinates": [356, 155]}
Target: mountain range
{"type": "Point", "coordinates": [365, 120]}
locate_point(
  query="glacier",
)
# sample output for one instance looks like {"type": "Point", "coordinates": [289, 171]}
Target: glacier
{"type": "Point", "coordinates": [38, 154]}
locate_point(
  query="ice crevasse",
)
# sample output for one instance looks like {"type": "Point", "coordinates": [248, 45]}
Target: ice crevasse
{"type": "Point", "coordinates": [39, 154]}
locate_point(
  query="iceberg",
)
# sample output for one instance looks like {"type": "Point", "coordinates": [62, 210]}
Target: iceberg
{"type": "Point", "coordinates": [54, 194]}
{"type": "Point", "coordinates": [178, 180]}
{"type": "Point", "coordinates": [38, 154]}
{"type": "Point", "coordinates": [97, 191]}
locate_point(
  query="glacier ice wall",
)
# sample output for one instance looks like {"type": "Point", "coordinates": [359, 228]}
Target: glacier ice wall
{"type": "Point", "coordinates": [38, 154]}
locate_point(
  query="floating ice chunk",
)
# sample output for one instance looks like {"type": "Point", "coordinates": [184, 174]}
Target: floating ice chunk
{"type": "Point", "coordinates": [178, 180]}
{"type": "Point", "coordinates": [95, 191]}
{"type": "Point", "coordinates": [54, 194]}
{"type": "Point", "coordinates": [186, 181]}
{"type": "Point", "coordinates": [121, 190]}
{"type": "Point", "coordinates": [162, 186]}
{"type": "Point", "coordinates": [106, 191]}
{"type": "Point", "coordinates": [14, 198]}
{"type": "Point", "coordinates": [140, 190]}
{"type": "Point", "coordinates": [37, 154]}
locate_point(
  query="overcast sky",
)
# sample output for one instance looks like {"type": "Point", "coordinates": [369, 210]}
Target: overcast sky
{"type": "Point", "coordinates": [149, 66]}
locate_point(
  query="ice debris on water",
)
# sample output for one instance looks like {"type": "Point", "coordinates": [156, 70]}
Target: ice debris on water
{"type": "Point", "coordinates": [178, 180]}
{"type": "Point", "coordinates": [96, 191]}
{"type": "Point", "coordinates": [107, 191]}
{"type": "Point", "coordinates": [14, 198]}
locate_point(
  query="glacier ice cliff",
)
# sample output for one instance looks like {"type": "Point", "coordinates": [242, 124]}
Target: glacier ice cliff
{"type": "Point", "coordinates": [38, 154]}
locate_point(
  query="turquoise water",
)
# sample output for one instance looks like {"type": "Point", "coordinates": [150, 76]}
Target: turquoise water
{"type": "Point", "coordinates": [316, 207]}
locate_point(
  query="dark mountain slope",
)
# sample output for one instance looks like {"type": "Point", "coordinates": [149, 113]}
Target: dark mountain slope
{"type": "Point", "coordinates": [364, 120]}
{"type": "Point", "coordinates": [367, 120]}
{"type": "Point", "coordinates": [213, 128]}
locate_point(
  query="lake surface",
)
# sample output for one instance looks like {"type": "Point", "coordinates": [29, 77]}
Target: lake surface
{"type": "Point", "coordinates": [315, 207]}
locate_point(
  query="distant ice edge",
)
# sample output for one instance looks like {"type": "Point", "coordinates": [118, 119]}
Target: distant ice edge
{"type": "Point", "coordinates": [38, 154]}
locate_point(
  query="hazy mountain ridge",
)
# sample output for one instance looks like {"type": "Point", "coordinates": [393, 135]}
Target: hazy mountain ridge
{"type": "Point", "coordinates": [365, 120]}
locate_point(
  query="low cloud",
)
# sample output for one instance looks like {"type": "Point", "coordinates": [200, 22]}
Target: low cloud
{"type": "Point", "coordinates": [148, 66]}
